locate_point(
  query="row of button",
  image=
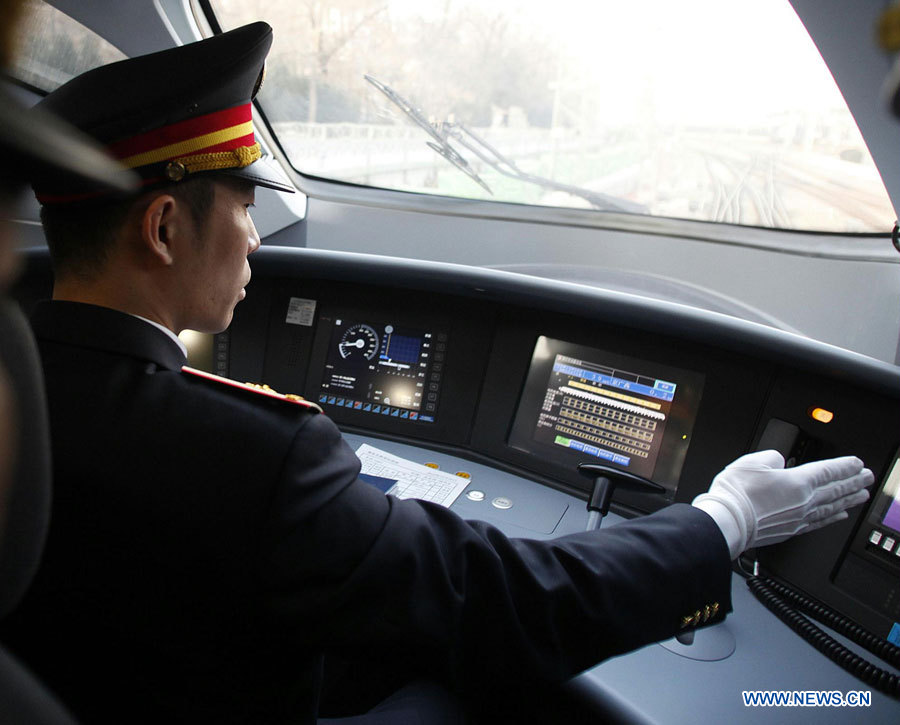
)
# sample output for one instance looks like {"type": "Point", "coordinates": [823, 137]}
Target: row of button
{"type": "Point", "coordinates": [884, 542]}
{"type": "Point", "coordinates": [375, 408]}
{"type": "Point", "coordinates": [500, 502]}
{"type": "Point", "coordinates": [437, 367]}
{"type": "Point", "coordinates": [590, 450]}
{"type": "Point", "coordinates": [222, 354]}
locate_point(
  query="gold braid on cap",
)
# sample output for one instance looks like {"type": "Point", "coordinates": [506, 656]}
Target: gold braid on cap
{"type": "Point", "coordinates": [234, 159]}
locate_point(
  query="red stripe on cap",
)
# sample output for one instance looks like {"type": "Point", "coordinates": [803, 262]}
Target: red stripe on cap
{"type": "Point", "coordinates": [183, 130]}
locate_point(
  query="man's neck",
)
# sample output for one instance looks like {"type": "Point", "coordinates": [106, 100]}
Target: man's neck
{"type": "Point", "coordinates": [115, 297]}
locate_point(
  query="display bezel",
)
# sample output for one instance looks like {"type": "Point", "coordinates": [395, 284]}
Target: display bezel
{"type": "Point", "coordinates": [334, 324]}
{"type": "Point", "coordinates": [669, 452]}
{"type": "Point", "coordinates": [887, 500]}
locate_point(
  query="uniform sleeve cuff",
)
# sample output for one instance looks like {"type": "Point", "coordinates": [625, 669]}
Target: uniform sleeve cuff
{"type": "Point", "coordinates": [731, 528]}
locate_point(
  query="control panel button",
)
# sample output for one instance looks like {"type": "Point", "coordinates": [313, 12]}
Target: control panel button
{"type": "Point", "coordinates": [888, 544]}
{"type": "Point", "coordinates": [501, 502]}
{"type": "Point", "coordinates": [475, 495]}
{"type": "Point", "coordinates": [875, 537]}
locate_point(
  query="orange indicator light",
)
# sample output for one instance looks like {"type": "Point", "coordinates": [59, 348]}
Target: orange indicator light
{"type": "Point", "coordinates": [821, 415]}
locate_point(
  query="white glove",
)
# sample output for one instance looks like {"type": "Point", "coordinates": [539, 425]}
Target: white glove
{"type": "Point", "coordinates": [757, 501]}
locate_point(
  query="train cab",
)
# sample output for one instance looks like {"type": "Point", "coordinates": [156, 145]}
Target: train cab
{"type": "Point", "coordinates": [529, 236]}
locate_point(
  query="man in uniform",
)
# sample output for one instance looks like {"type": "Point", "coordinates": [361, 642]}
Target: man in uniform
{"type": "Point", "coordinates": [210, 543]}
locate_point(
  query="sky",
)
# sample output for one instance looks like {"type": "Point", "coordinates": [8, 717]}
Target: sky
{"type": "Point", "coordinates": [719, 60]}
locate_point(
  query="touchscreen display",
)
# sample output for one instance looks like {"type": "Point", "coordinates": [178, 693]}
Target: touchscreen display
{"type": "Point", "coordinates": [582, 404]}
{"type": "Point", "coordinates": [886, 511]}
{"type": "Point", "coordinates": [384, 368]}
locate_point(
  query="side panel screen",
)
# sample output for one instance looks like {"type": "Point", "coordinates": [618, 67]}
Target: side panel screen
{"type": "Point", "coordinates": [384, 369]}
{"type": "Point", "coordinates": [883, 530]}
{"type": "Point", "coordinates": [585, 404]}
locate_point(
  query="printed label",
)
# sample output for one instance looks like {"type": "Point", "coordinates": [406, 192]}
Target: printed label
{"type": "Point", "coordinates": [301, 312]}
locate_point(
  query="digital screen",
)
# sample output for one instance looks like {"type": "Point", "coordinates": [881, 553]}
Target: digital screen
{"type": "Point", "coordinates": [886, 511]}
{"type": "Point", "coordinates": [384, 369]}
{"type": "Point", "coordinates": [582, 404]}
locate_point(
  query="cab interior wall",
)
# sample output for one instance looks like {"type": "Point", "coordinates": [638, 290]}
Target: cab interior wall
{"type": "Point", "coordinates": [824, 297]}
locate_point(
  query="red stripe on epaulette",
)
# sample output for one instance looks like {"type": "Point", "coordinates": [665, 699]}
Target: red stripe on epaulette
{"type": "Point", "coordinates": [293, 399]}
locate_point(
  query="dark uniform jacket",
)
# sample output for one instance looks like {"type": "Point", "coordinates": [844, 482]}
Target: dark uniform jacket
{"type": "Point", "coordinates": [207, 545]}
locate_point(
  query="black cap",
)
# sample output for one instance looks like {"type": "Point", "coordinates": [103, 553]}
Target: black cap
{"type": "Point", "coordinates": [172, 114]}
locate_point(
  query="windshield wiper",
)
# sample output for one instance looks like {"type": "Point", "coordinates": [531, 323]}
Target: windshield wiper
{"type": "Point", "coordinates": [440, 143]}
{"type": "Point", "coordinates": [444, 131]}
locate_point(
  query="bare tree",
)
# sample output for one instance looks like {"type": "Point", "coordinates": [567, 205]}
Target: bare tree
{"type": "Point", "coordinates": [332, 25]}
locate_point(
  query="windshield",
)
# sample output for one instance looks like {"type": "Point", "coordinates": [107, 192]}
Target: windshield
{"type": "Point", "coordinates": [703, 109]}
{"type": "Point", "coordinates": [711, 110]}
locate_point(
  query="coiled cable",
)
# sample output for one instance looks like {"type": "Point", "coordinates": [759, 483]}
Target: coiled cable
{"type": "Point", "coordinates": [784, 603]}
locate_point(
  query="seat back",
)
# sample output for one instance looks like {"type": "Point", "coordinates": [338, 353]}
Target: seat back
{"type": "Point", "coordinates": [23, 526]}
{"type": "Point", "coordinates": [28, 502]}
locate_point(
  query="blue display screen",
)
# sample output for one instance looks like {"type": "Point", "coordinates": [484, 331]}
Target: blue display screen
{"type": "Point", "coordinates": [384, 369]}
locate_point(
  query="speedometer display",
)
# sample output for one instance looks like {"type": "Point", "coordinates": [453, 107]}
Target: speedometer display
{"type": "Point", "coordinates": [358, 341]}
{"type": "Point", "coordinates": [384, 368]}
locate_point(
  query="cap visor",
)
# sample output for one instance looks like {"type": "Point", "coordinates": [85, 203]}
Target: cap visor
{"type": "Point", "coordinates": [262, 173]}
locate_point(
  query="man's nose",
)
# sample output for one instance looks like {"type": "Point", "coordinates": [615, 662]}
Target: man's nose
{"type": "Point", "coordinates": [253, 241]}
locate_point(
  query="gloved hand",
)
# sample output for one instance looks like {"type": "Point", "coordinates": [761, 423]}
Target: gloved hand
{"type": "Point", "coordinates": [757, 501]}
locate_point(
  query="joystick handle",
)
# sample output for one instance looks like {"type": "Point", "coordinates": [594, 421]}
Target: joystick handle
{"type": "Point", "coordinates": [606, 479]}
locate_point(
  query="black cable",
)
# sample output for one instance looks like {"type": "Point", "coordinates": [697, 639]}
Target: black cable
{"type": "Point", "coordinates": [850, 629]}
{"type": "Point", "coordinates": [784, 603]}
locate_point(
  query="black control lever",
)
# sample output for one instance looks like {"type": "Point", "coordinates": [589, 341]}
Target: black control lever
{"type": "Point", "coordinates": [606, 479]}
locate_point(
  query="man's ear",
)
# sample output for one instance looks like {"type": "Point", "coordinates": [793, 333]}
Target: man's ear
{"type": "Point", "coordinates": [161, 223]}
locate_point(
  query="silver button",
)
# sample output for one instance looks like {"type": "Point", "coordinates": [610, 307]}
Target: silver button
{"type": "Point", "coordinates": [875, 537]}
{"type": "Point", "coordinates": [475, 495]}
{"type": "Point", "coordinates": [501, 502]}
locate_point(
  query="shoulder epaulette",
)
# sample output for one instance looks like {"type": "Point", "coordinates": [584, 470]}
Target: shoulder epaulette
{"type": "Point", "coordinates": [253, 388]}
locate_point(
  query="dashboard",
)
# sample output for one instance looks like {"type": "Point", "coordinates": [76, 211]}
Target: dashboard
{"type": "Point", "coordinates": [525, 378]}
{"type": "Point", "coordinates": [533, 376]}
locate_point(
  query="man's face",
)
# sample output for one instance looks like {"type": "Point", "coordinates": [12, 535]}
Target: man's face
{"type": "Point", "coordinates": [219, 271]}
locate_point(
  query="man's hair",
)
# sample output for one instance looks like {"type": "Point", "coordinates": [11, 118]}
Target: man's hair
{"type": "Point", "coordinates": [81, 236]}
